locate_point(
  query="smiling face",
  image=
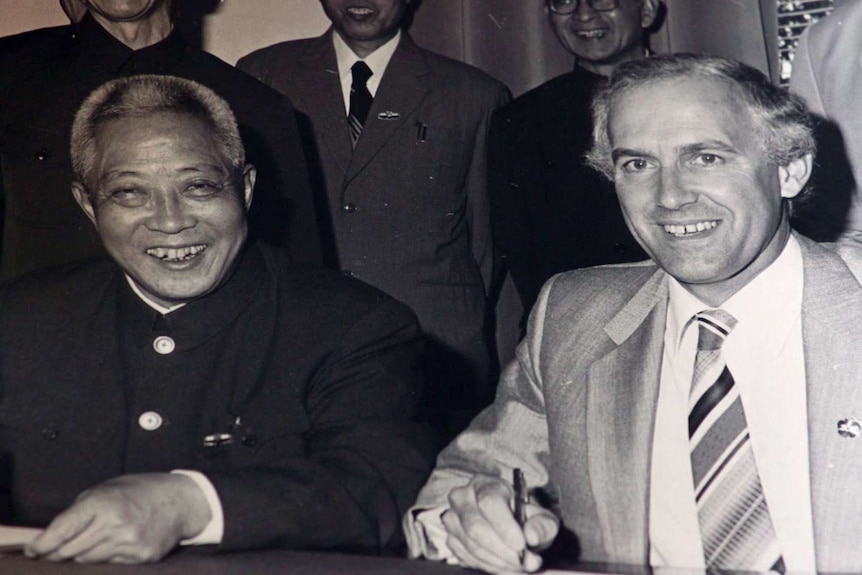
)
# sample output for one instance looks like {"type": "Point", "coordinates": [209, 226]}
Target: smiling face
{"type": "Point", "coordinates": [168, 205]}
{"type": "Point", "coordinates": [695, 185]}
{"type": "Point", "coordinates": [365, 25]}
{"type": "Point", "coordinates": [603, 40]}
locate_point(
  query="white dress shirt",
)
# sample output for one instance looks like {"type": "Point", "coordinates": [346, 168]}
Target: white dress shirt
{"type": "Point", "coordinates": [377, 61]}
{"type": "Point", "coordinates": [213, 532]}
{"type": "Point", "coordinates": [764, 352]}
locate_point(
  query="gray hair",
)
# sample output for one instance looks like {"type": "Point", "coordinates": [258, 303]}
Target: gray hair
{"type": "Point", "coordinates": [779, 117]}
{"type": "Point", "coordinates": [145, 95]}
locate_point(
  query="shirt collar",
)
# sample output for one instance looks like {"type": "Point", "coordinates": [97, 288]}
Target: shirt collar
{"type": "Point", "coordinates": [377, 60]}
{"type": "Point", "coordinates": [143, 297]}
{"type": "Point", "coordinates": [767, 307]}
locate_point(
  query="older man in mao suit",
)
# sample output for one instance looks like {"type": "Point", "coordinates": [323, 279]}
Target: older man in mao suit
{"type": "Point", "coordinates": [621, 405]}
{"type": "Point", "coordinates": [407, 204]}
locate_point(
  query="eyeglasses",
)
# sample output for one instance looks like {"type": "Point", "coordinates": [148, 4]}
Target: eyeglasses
{"type": "Point", "coordinates": [571, 6]}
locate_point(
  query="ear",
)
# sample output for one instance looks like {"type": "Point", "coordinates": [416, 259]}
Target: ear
{"type": "Point", "coordinates": [83, 199]}
{"type": "Point", "coordinates": [794, 176]}
{"type": "Point", "coordinates": [249, 176]}
{"type": "Point", "coordinates": [649, 11]}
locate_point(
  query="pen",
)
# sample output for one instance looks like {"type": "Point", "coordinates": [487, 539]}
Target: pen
{"type": "Point", "coordinates": [522, 497]}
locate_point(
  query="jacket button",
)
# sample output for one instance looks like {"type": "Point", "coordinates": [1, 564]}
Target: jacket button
{"type": "Point", "coordinates": [164, 345]}
{"type": "Point", "coordinates": [42, 155]}
{"type": "Point", "coordinates": [150, 421]}
{"type": "Point", "coordinates": [349, 208]}
{"type": "Point", "coordinates": [50, 434]}
{"type": "Point", "coordinates": [249, 440]}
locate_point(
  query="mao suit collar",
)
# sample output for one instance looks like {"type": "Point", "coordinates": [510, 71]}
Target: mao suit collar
{"type": "Point", "coordinates": [115, 58]}
{"type": "Point", "coordinates": [198, 320]}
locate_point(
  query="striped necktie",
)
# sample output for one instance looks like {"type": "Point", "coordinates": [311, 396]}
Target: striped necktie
{"type": "Point", "coordinates": [735, 525]}
{"type": "Point", "coordinates": [360, 99]}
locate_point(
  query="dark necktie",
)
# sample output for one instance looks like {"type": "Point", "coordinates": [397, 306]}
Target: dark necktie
{"type": "Point", "coordinates": [360, 99]}
{"type": "Point", "coordinates": [735, 524]}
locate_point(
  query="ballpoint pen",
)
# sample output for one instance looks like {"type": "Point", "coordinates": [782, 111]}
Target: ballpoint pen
{"type": "Point", "coordinates": [522, 497]}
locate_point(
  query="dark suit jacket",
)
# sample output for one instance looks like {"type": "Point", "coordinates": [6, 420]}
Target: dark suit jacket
{"type": "Point", "coordinates": [550, 212]}
{"type": "Point", "coordinates": [46, 74]}
{"type": "Point", "coordinates": [408, 207]}
{"type": "Point", "coordinates": [313, 375]}
{"type": "Point", "coordinates": [576, 410]}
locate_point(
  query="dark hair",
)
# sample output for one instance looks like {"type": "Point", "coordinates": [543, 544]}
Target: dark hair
{"type": "Point", "coordinates": [779, 117]}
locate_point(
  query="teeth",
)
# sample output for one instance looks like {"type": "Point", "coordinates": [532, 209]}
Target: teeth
{"type": "Point", "coordinates": [681, 230]}
{"type": "Point", "coordinates": [592, 33]}
{"type": "Point", "coordinates": [176, 254]}
{"type": "Point", "coordinates": [359, 11]}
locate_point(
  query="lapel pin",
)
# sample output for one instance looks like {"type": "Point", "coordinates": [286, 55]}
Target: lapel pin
{"type": "Point", "coordinates": [849, 427]}
{"type": "Point", "coordinates": [388, 115]}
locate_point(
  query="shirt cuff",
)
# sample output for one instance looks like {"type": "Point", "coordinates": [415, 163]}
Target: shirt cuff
{"type": "Point", "coordinates": [213, 532]}
{"type": "Point", "coordinates": [433, 535]}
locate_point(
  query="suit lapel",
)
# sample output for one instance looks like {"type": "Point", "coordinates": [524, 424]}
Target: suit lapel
{"type": "Point", "coordinates": [318, 76]}
{"type": "Point", "coordinates": [622, 390]}
{"type": "Point", "coordinates": [401, 90]}
{"type": "Point", "coordinates": [831, 336]}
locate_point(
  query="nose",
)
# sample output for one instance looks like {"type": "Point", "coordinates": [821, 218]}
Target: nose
{"type": "Point", "coordinates": [585, 11]}
{"type": "Point", "coordinates": [169, 215]}
{"type": "Point", "coordinates": [673, 193]}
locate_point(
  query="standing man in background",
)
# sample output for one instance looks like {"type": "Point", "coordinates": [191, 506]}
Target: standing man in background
{"type": "Point", "coordinates": [550, 211]}
{"type": "Point", "coordinates": [44, 77]}
{"type": "Point", "coordinates": [399, 135]}
{"type": "Point", "coordinates": [828, 76]}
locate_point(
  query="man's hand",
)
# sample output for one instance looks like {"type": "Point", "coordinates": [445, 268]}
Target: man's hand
{"type": "Point", "coordinates": [483, 533]}
{"type": "Point", "coordinates": [128, 519]}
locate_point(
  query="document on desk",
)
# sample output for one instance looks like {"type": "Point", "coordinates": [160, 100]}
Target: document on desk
{"type": "Point", "coordinates": [16, 538]}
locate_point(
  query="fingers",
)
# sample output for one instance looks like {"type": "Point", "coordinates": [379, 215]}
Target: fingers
{"type": "Point", "coordinates": [541, 527]}
{"type": "Point", "coordinates": [63, 530]}
{"type": "Point", "coordinates": [130, 519]}
{"type": "Point", "coordinates": [482, 531]}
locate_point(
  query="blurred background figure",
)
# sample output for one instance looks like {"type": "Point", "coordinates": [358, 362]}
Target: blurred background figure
{"type": "Point", "coordinates": [827, 74]}
{"type": "Point", "coordinates": [550, 211]}
{"type": "Point", "coordinates": [44, 76]}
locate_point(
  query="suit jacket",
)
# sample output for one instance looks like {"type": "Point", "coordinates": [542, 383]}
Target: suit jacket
{"type": "Point", "coordinates": [576, 409]}
{"type": "Point", "coordinates": [46, 74]}
{"type": "Point", "coordinates": [407, 207]}
{"type": "Point", "coordinates": [312, 377]}
{"type": "Point", "coordinates": [550, 212]}
{"type": "Point", "coordinates": [827, 73]}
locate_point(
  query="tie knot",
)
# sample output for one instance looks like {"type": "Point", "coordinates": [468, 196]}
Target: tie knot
{"type": "Point", "coordinates": [713, 327]}
{"type": "Point", "coordinates": [361, 73]}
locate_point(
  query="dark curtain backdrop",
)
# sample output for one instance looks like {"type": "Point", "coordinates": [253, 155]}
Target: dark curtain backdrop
{"type": "Point", "coordinates": [511, 39]}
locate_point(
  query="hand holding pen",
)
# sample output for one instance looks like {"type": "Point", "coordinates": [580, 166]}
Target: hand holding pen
{"type": "Point", "coordinates": [492, 525]}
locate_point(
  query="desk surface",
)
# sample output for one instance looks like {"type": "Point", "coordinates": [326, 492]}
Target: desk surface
{"type": "Point", "coordinates": [256, 563]}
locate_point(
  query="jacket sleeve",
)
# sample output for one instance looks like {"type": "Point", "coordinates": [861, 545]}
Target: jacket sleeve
{"type": "Point", "coordinates": [365, 456]}
{"type": "Point", "coordinates": [512, 432]}
{"type": "Point", "coordinates": [476, 186]}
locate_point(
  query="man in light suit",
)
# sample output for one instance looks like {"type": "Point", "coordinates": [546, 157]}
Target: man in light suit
{"type": "Point", "coordinates": [406, 192]}
{"type": "Point", "coordinates": [603, 409]}
{"type": "Point", "coordinates": [827, 73]}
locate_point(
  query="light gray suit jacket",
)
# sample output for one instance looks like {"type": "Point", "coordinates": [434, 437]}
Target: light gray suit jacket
{"type": "Point", "coordinates": [576, 409]}
{"type": "Point", "coordinates": [407, 207]}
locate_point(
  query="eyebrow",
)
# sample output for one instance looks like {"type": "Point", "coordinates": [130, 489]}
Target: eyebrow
{"type": "Point", "coordinates": [716, 145]}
